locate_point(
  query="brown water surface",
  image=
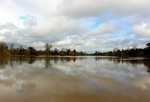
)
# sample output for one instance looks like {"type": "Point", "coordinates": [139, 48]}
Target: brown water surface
{"type": "Point", "coordinates": [74, 79]}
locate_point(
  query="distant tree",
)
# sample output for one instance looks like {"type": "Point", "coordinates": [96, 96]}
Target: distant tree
{"type": "Point", "coordinates": [32, 51]}
{"type": "Point", "coordinates": [20, 50]}
{"type": "Point", "coordinates": [148, 45]}
{"type": "Point", "coordinates": [122, 54]}
{"type": "Point", "coordinates": [115, 50]}
{"type": "Point", "coordinates": [74, 52]}
{"type": "Point", "coordinates": [71, 53]}
{"type": "Point", "coordinates": [62, 52]}
{"type": "Point", "coordinates": [56, 51]}
{"type": "Point", "coordinates": [20, 47]}
{"type": "Point", "coordinates": [97, 53]}
{"type": "Point", "coordinates": [12, 48]}
{"type": "Point", "coordinates": [3, 48]}
{"type": "Point", "coordinates": [63, 49]}
{"type": "Point", "coordinates": [68, 51]}
{"type": "Point", "coordinates": [147, 50]}
{"type": "Point", "coordinates": [47, 48]}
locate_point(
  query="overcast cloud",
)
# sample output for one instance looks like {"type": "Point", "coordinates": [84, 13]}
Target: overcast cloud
{"type": "Point", "coordinates": [86, 25]}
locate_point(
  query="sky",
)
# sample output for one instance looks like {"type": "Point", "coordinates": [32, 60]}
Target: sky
{"type": "Point", "coordinates": [84, 25]}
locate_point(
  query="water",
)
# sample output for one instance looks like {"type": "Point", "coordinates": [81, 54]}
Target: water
{"type": "Point", "coordinates": [74, 79]}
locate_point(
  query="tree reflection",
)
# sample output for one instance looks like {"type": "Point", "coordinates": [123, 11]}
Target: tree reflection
{"type": "Point", "coordinates": [11, 63]}
{"type": "Point", "coordinates": [134, 62]}
{"type": "Point", "coordinates": [3, 62]}
{"type": "Point", "coordinates": [31, 60]}
{"type": "Point", "coordinates": [49, 61]}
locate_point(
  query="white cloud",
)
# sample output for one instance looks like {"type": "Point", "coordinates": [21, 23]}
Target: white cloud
{"type": "Point", "coordinates": [142, 29]}
{"type": "Point", "coordinates": [66, 22]}
{"type": "Point", "coordinates": [9, 26]}
{"type": "Point", "coordinates": [84, 8]}
{"type": "Point", "coordinates": [30, 22]}
{"type": "Point", "coordinates": [106, 29]}
{"type": "Point", "coordinates": [31, 34]}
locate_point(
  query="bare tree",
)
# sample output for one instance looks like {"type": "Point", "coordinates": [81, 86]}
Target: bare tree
{"type": "Point", "coordinates": [47, 48]}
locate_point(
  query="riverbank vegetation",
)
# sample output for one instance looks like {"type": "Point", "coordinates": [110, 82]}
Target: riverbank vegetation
{"type": "Point", "coordinates": [31, 51]}
{"type": "Point", "coordinates": [129, 52]}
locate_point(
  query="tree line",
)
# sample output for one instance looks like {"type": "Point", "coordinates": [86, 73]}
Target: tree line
{"type": "Point", "coordinates": [31, 51]}
{"type": "Point", "coordinates": [133, 52]}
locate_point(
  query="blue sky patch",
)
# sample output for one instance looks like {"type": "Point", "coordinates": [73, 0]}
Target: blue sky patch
{"type": "Point", "coordinates": [26, 16]}
{"type": "Point", "coordinates": [125, 31]}
{"type": "Point", "coordinates": [94, 26]}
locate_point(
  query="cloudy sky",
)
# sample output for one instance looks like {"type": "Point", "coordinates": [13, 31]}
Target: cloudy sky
{"type": "Point", "coordinates": [86, 25]}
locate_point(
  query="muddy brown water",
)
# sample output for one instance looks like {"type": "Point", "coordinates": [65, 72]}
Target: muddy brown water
{"type": "Point", "coordinates": [74, 79]}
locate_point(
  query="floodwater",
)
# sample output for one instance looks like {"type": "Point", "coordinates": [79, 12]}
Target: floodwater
{"type": "Point", "coordinates": [74, 79]}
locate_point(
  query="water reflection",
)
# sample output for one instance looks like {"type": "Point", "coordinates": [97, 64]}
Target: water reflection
{"type": "Point", "coordinates": [132, 61]}
{"type": "Point", "coordinates": [30, 60]}
{"type": "Point", "coordinates": [74, 79]}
